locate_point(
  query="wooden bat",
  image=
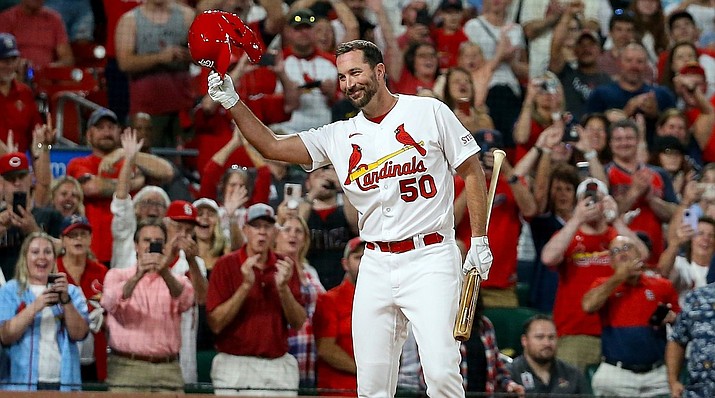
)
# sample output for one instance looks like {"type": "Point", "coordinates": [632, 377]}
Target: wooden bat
{"type": "Point", "coordinates": [470, 287]}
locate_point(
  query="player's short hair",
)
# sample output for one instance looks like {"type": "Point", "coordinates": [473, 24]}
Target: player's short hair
{"type": "Point", "coordinates": [537, 317]}
{"type": "Point", "coordinates": [371, 54]}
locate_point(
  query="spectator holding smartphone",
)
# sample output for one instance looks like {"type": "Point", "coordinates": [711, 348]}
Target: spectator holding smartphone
{"type": "Point", "coordinates": [41, 322]}
{"type": "Point", "coordinates": [690, 253]}
{"type": "Point", "coordinates": [144, 304]}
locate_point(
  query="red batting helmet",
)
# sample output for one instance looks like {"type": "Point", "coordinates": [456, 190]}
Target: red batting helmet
{"type": "Point", "coordinates": [212, 35]}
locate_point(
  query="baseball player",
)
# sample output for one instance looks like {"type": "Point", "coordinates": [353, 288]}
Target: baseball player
{"type": "Point", "coordinates": [395, 160]}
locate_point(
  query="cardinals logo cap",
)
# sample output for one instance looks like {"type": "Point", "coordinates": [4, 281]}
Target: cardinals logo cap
{"type": "Point", "coordinates": [182, 211]}
{"type": "Point", "coordinates": [14, 163]}
{"type": "Point", "coordinates": [213, 35]}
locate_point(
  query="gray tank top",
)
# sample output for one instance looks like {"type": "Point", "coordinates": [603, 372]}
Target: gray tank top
{"type": "Point", "coordinates": [152, 38]}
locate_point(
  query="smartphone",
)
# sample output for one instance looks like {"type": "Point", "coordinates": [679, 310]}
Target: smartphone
{"type": "Point", "coordinates": [656, 319]}
{"type": "Point", "coordinates": [583, 169]}
{"type": "Point", "coordinates": [292, 191]}
{"type": "Point", "coordinates": [267, 59]}
{"type": "Point", "coordinates": [51, 279]}
{"type": "Point", "coordinates": [19, 199]}
{"type": "Point", "coordinates": [313, 84]}
{"type": "Point", "coordinates": [156, 247]}
{"type": "Point", "coordinates": [570, 130]}
{"type": "Point", "coordinates": [592, 191]}
{"type": "Point", "coordinates": [690, 218]}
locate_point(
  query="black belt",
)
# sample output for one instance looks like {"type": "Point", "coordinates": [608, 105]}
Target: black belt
{"type": "Point", "coordinates": [146, 358]}
{"type": "Point", "coordinates": [635, 368]}
{"type": "Point", "coordinates": [405, 245]}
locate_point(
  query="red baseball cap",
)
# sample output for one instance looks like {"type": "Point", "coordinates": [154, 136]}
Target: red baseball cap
{"type": "Point", "coordinates": [70, 223]}
{"type": "Point", "coordinates": [14, 163]}
{"type": "Point", "coordinates": [182, 211]}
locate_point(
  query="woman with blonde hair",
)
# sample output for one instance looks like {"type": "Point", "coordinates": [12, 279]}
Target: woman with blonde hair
{"type": "Point", "coordinates": [293, 240]}
{"type": "Point", "coordinates": [66, 196]}
{"type": "Point", "coordinates": [42, 317]}
{"type": "Point", "coordinates": [544, 101]}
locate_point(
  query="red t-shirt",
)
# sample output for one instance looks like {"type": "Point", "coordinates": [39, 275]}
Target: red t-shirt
{"type": "Point", "coordinates": [91, 285]}
{"type": "Point", "coordinates": [585, 260]}
{"type": "Point", "coordinates": [709, 151]}
{"type": "Point", "coordinates": [114, 9]}
{"type": "Point", "coordinates": [333, 318]}
{"type": "Point", "coordinates": [259, 329]}
{"type": "Point", "coordinates": [96, 208]}
{"type": "Point", "coordinates": [447, 45]}
{"type": "Point", "coordinates": [647, 221]}
{"type": "Point", "coordinates": [503, 233]}
{"type": "Point", "coordinates": [38, 35]}
{"type": "Point", "coordinates": [18, 112]}
{"type": "Point", "coordinates": [522, 149]}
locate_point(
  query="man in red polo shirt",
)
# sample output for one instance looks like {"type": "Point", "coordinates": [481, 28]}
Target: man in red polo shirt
{"type": "Point", "coordinates": [253, 297]}
{"type": "Point", "coordinates": [18, 111]}
{"type": "Point", "coordinates": [634, 308]}
{"type": "Point", "coordinates": [332, 326]}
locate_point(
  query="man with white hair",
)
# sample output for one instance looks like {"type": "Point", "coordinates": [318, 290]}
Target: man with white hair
{"type": "Point", "coordinates": [579, 252]}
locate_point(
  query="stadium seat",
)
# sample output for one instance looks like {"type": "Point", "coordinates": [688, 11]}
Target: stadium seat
{"type": "Point", "coordinates": [508, 323]}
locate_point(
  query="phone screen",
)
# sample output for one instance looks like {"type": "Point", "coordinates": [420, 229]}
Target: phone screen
{"type": "Point", "coordinates": [19, 199]}
{"type": "Point", "coordinates": [156, 247]}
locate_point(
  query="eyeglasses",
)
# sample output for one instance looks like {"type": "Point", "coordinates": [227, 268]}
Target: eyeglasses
{"type": "Point", "coordinates": [623, 249]}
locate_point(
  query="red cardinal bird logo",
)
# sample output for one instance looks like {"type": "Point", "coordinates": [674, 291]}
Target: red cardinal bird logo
{"type": "Point", "coordinates": [404, 138]}
{"type": "Point", "coordinates": [355, 158]}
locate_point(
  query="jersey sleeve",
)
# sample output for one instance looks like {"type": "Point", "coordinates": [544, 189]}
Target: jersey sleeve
{"type": "Point", "coordinates": [317, 143]}
{"type": "Point", "coordinates": [458, 144]}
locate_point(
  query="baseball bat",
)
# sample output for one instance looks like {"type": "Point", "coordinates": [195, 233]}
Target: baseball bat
{"type": "Point", "coordinates": [470, 286]}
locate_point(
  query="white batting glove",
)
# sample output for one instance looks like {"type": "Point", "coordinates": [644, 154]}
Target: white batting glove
{"type": "Point", "coordinates": [96, 318]}
{"type": "Point", "coordinates": [222, 91]}
{"type": "Point", "coordinates": [479, 257]}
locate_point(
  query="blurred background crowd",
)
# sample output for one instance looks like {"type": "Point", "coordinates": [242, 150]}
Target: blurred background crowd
{"type": "Point", "coordinates": [603, 217]}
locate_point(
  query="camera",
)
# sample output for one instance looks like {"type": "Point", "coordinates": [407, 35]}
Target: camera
{"type": "Point", "coordinates": [267, 59]}
{"type": "Point", "coordinates": [656, 319]}
{"type": "Point", "coordinates": [156, 247]}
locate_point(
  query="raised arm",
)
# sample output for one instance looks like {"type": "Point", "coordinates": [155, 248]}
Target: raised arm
{"type": "Point", "coordinates": [286, 148]}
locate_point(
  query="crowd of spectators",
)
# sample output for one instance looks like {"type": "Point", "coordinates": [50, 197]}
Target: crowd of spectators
{"type": "Point", "coordinates": [604, 108]}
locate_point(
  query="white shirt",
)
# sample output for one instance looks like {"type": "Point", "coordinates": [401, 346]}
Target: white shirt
{"type": "Point", "coordinates": [687, 275]}
{"type": "Point", "coordinates": [404, 193]}
{"type": "Point", "coordinates": [49, 353]}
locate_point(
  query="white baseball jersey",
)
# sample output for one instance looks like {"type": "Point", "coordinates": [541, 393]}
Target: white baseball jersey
{"type": "Point", "coordinates": [398, 173]}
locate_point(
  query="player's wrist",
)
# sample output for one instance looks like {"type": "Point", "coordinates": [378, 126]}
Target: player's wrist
{"type": "Point", "coordinates": [480, 241]}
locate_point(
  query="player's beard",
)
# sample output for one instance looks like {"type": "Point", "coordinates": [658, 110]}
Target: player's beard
{"type": "Point", "coordinates": [369, 90]}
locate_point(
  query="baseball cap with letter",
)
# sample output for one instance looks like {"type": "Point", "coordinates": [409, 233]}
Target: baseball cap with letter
{"type": "Point", "coordinates": [13, 164]}
{"type": "Point", "coordinates": [213, 35]}
{"type": "Point", "coordinates": [182, 211]}
{"type": "Point", "coordinates": [260, 211]}
{"type": "Point", "coordinates": [70, 223]}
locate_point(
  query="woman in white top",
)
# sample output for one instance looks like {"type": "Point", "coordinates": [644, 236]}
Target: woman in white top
{"type": "Point", "coordinates": [697, 239]}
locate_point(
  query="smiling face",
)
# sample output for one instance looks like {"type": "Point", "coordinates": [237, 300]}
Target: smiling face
{"type": "Point", "coordinates": [624, 143]}
{"type": "Point", "coordinates": [358, 81]}
{"type": "Point", "coordinates": [674, 126]}
{"type": "Point", "coordinates": [704, 240]}
{"type": "Point", "coordinates": [460, 85]}
{"type": "Point", "coordinates": [207, 218]}
{"type": "Point", "coordinates": [40, 260]}
{"type": "Point", "coordinates": [66, 199]}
